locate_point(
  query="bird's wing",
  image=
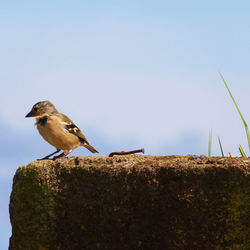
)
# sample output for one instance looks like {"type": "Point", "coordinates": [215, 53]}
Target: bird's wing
{"type": "Point", "coordinates": [72, 128]}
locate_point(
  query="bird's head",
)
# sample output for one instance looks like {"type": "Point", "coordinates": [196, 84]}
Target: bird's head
{"type": "Point", "coordinates": [42, 108]}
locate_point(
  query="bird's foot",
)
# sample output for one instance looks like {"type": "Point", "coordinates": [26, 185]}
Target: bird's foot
{"type": "Point", "coordinates": [48, 156]}
{"type": "Point", "coordinates": [44, 158]}
{"type": "Point", "coordinates": [65, 152]}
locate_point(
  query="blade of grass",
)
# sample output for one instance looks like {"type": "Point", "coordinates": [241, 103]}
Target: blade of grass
{"type": "Point", "coordinates": [242, 118]}
{"type": "Point", "coordinates": [222, 153]}
{"type": "Point", "coordinates": [242, 151]}
{"type": "Point", "coordinates": [210, 142]}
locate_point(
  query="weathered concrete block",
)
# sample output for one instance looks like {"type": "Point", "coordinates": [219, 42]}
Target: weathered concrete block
{"type": "Point", "coordinates": [131, 202]}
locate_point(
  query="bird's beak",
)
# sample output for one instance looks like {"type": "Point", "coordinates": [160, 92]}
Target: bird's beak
{"type": "Point", "coordinates": [30, 114]}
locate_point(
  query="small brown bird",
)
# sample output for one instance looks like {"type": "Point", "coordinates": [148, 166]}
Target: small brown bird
{"type": "Point", "coordinates": [58, 130]}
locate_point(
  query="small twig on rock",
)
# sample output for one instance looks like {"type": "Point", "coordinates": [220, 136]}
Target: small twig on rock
{"type": "Point", "coordinates": [127, 152]}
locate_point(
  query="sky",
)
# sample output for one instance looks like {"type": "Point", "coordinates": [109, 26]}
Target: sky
{"type": "Point", "coordinates": [130, 74]}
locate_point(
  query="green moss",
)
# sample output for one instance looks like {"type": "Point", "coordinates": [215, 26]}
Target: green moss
{"type": "Point", "coordinates": [238, 219]}
{"type": "Point", "coordinates": [32, 209]}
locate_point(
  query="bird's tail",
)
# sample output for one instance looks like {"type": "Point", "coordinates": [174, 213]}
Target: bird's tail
{"type": "Point", "coordinates": [90, 148]}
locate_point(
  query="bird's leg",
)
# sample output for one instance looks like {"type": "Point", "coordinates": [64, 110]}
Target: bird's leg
{"type": "Point", "coordinates": [65, 152]}
{"type": "Point", "coordinates": [47, 157]}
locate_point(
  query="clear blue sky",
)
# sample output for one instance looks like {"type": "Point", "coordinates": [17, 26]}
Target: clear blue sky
{"type": "Point", "coordinates": [130, 74]}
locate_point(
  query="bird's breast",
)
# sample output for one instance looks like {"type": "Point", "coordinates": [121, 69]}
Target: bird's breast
{"type": "Point", "coordinates": [53, 131]}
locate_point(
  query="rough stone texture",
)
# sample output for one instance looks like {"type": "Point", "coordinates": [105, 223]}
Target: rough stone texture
{"type": "Point", "coordinates": [132, 202]}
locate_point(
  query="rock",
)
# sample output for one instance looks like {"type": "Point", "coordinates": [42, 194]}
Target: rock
{"type": "Point", "coordinates": [132, 202]}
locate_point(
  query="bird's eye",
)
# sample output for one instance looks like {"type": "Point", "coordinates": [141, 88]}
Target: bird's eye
{"type": "Point", "coordinates": [35, 109]}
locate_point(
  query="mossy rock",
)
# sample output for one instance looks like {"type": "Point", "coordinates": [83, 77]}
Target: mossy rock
{"type": "Point", "coordinates": [132, 202]}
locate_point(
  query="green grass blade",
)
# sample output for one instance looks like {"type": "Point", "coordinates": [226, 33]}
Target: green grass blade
{"type": "Point", "coordinates": [222, 153]}
{"type": "Point", "coordinates": [242, 151]}
{"type": "Point", "coordinates": [242, 118]}
{"type": "Point", "coordinates": [210, 142]}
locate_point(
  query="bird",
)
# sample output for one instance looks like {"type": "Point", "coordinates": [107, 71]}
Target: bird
{"type": "Point", "coordinates": [58, 130]}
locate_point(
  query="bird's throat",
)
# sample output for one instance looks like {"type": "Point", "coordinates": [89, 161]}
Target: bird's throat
{"type": "Point", "coordinates": [42, 121]}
